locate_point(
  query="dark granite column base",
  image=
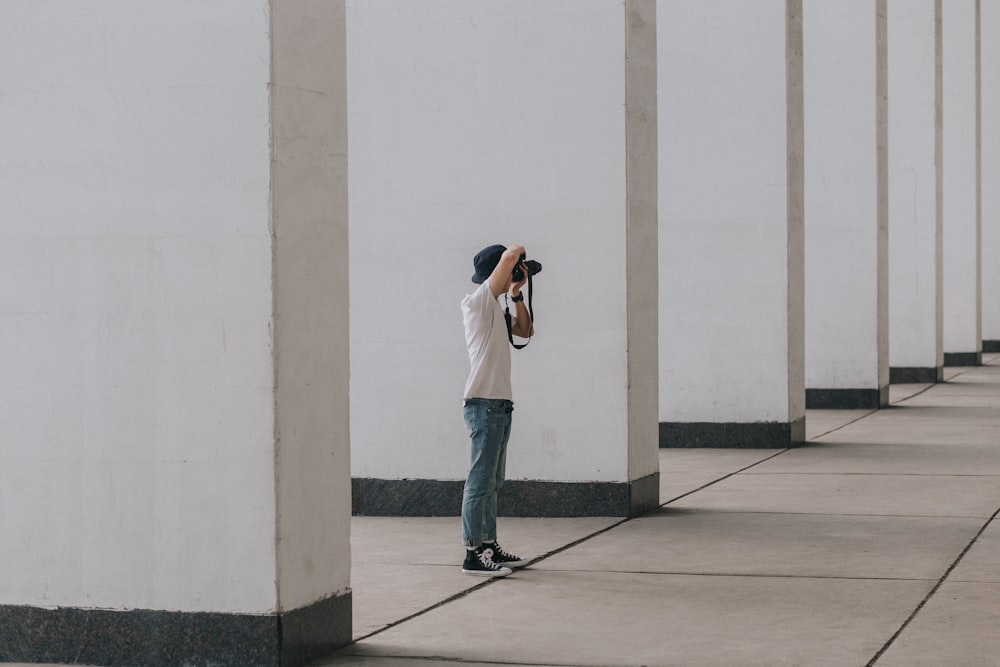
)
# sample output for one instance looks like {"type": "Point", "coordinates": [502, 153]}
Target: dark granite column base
{"type": "Point", "coordinates": [963, 358]}
{"type": "Point", "coordinates": [739, 435]}
{"type": "Point", "coordinates": [915, 374]}
{"type": "Point", "coordinates": [170, 638]}
{"type": "Point", "coordinates": [991, 346]}
{"type": "Point", "coordinates": [847, 399]}
{"type": "Point", "coordinates": [433, 497]}
{"type": "Point", "coordinates": [308, 633]}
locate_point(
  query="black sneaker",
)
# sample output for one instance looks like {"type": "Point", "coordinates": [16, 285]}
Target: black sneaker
{"type": "Point", "coordinates": [479, 562]}
{"type": "Point", "coordinates": [501, 557]}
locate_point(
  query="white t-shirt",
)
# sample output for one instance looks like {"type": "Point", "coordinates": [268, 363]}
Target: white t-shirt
{"type": "Point", "coordinates": [486, 338]}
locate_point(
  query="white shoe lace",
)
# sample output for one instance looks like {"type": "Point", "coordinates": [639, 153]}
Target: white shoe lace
{"type": "Point", "coordinates": [486, 558]}
{"type": "Point", "coordinates": [503, 555]}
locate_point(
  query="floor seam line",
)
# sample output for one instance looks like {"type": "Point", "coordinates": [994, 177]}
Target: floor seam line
{"type": "Point", "coordinates": [493, 580]}
{"type": "Point", "coordinates": [844, 514]}
{"type": "Point", "coordinates": [877, 474]}
{"type": "Point", "coordinates": [749, 575]}
{"type": "Point", "coordinates": [834, 430]}
{"type": "Point", "coordinates": [457, 661]}
{"type": "Point", "coordinates": [725, 477]}
{"type": "Point", "coordinates": [932, 592]}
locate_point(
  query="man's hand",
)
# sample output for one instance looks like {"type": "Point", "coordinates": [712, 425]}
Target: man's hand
{"type": "Point", "coordinates": [515, 287]}
{"type": "Point", "coordinates": [513, 254]}
{"type": "Point", "coordinates": [516, 252]}
{"type": "Point", "coordinates": [500, 279]}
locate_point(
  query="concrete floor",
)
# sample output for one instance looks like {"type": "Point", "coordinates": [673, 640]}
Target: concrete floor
{"type": "Point", "coordinates": [873, 543]}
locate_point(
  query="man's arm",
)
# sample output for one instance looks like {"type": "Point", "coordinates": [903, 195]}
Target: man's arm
{"type": "Point", "coordinates": [501, 281]}
{"type": "Point", "coordinates": [523, 326]}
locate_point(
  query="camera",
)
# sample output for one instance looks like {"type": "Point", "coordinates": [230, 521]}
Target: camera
{"type": "Point", "coordinates": [533, 268]}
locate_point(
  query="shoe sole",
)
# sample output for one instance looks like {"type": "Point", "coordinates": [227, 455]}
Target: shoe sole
{"type": "Point", "coordinates": [513, 563]}
{"type": "Point", "coordinates": [487, 573]}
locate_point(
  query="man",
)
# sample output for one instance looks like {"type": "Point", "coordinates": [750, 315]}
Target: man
{"type": "Point", "coordinates": [488, 401]}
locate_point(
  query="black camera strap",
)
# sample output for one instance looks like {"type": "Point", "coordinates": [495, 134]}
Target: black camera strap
{"type": "Point", "coordinates": [507, 317]}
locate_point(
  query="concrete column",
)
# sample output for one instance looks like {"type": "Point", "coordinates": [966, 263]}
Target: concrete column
{"type": "Point", "coordinates": [310, 331]}
{"type": "Point", "coordinates": [990, 165]}
{"type": "Point", "coordinates": [500, 122]}
{"type": "Point", "coordinates": [915, 203]}
{"type": "Point", "coordinates": [731, 226]}
{"type": "Point", "coordinates": [174, 464]}
{"type": "Point", "coordinates": [960, 164]}
{"type": "Point", "coordinates": [846, 204]}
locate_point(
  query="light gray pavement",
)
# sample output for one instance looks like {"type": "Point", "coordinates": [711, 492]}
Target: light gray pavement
{"type": "Point", "coordinates": [874, 543]}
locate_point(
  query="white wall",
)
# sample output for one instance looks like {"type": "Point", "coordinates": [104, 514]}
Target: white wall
{"type": "Point", "coordinates": [846, 232]}
{"type": "Point", "coordinates": [472, 124]}
{"type": "Point", "coordinates": [962, 323]}
{"type": "Point", "coordinates": [914, 187]}
{"type": "Point", "coordinates": [990, 62]}
{"type": "Point", "coordinates": [136, 455]}
{"type": "Point", "coordinates": [727, 351]}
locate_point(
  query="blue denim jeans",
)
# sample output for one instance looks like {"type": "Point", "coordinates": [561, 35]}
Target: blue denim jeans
{"type": "Point", "coordinates": [488, 420]}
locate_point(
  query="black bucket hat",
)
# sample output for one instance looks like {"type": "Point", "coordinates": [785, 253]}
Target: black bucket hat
{"type": "Point", "coordinates": [485, 261]}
